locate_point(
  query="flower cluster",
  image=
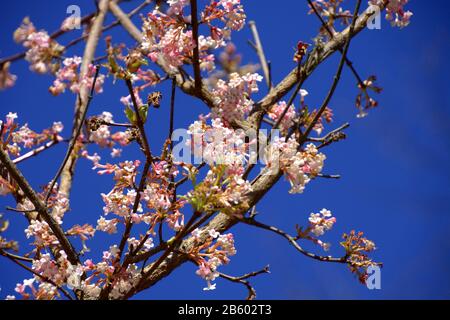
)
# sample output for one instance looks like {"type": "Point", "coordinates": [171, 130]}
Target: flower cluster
{"type": "Point", "coordinates": [319, 223]}
{"type": "Point", "coordinates": [327, 116]}
{"type": "Point", "coordinates": [14, 138]}
{"type": "Point", "coordinates": [357, 249]}
{"type": "Point", "coordinates": [232, 98]}
{"type": "Point", "coordinates": [173, 46]}
{"type": "Point", "coordinates": [68, 77]}
{"type": "Point", "coordinates": [229, 12]}
{"type": "Point", "coordinates": [212, 254]}
{"type": "Point", "coordinates": [168, 40]}
{"type": "Point", "coordinates": [395, 12]}
{"type": "Point", "coordinates": [29, 138]}
{"type": "Point", "coordinates": [277, 111]}
{"type": "Point", "coordinates": [219, 192]}
{"type": "Point", "coordinates": [42, 50]}
{"type": "Point", "coordinates": [122, 197]}
{"type": "Point", "coordinates": [217, 144]}
{"type": "Point", "coordinates": [298, 166]}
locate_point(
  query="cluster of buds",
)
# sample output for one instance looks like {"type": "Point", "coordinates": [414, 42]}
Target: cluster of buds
{"type": "Point", "coordinates": [357, 249]}
{"type": "Point", "coordinates": [300, 53]}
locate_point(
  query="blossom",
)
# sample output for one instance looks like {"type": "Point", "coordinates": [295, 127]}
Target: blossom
{"type": "Point", "coordinates": [213, 233]}
{"type": "Point", "coordinates": [156, 198]}
{"type": "Point", "coordinates": [102, 134]}
{"type": "Point", "coordinates": [7, 80]}
{"type": "Point", "coordinates": [41, 48]}
{"type": "Point", "coordinates": [69, 76]}
{"type": "Point", "coordinates": [176, 6]}
{"type": "Point", "coordinates": [395, 12]}
{"type": "Point", "coordinates": [116, 153]}
{"type": "Point", "coordinates": [298, 166]}
{"type": "Point", "coordinates": [321, 222]}
{"type": "Point", "coordinates": [215, 256]}
{"type": "Point", "coordinates": [108, 226]}
{"type": "Point", "coordinates": [287, 121]}
{"type": "Point", "coordinates": [232, 99]}
{"type": "Point", "coordinates": [217, 144]}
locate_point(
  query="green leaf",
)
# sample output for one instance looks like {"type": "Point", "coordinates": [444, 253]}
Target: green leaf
{"type": "Point", "coordinates": [130, 115]}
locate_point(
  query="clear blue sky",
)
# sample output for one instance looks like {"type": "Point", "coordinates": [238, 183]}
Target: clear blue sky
{"type": "Point", "coordinates": [394, 164]}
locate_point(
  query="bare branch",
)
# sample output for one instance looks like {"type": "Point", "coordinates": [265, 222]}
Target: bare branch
{"type": "Point", "coordinates": [124, 19]}
{"type": "Point", "coordinates": [336, 77]}
{"type": "Point", "coordinates": [81, 103]}
{"type": "Point", "coordinates": [246, 283]}
{"type": "Point", "coordinates": [36, 151]}
{"type": "Point", "coordinates": [196, 51]}
{"type": "Point", "coordinates": [292, 240]}
{"type": "Point", "coordinates": [260, 51]}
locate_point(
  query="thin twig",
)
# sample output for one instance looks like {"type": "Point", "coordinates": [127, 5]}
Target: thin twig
{"type": "Point", "coordinates": [124, 19]}
{"type": "Point", "coordinates": [329, 176]}
{"type": "Point", "coordinates": [36, 151]}
{"type": "Point", "coordinates": [246, 283]}
{"type": "Point", "coordinates": [196, 51]}
{"type": "Point", "coordinates": [172, 112]}
{"type": "Point", "coordinates": [14, 256]}
{"type": "Point", "coordinates": [20, 211]}
{"type": "Point", "coordinates": [260, 51]}
{"type": "Point", "coordinates": [74, 138]}
{"type": "Point", "coordinates": [139, 121]}
{"type": "Point", "coordinates": [114, 124]}
{"type": "Point", "coordinates": [172, 245]}
{"type": "Point", "coordinates": [292, 241]}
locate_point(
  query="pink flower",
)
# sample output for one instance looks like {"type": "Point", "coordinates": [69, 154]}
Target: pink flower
{"type": "Point", "coordinates": [7, 80]}
{"type": "Point", "coordinates": [287, 121]}
{"type": "Point", "coordinates": [232, 99]}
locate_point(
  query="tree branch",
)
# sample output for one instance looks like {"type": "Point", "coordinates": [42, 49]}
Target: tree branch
{"type": "Point", "coordinates": [293, 241]}
{"type": "Point", "coordinates": [39, 206]}
{"type": "Point", "coordinates": [246, 283]}
{"type": "Point", "coordinates": [196, 53]}
{"type": "Point", "coordinates": [81, 103]}
{"type": "Point", "coordinates": [260, 51]}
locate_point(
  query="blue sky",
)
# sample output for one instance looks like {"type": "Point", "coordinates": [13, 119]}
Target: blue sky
{"type": "Point", "coordinates": [394, 164]}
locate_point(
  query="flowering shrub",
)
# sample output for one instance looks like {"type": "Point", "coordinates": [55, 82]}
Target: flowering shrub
{"type": "Point", "coordinates": [145, 196]}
